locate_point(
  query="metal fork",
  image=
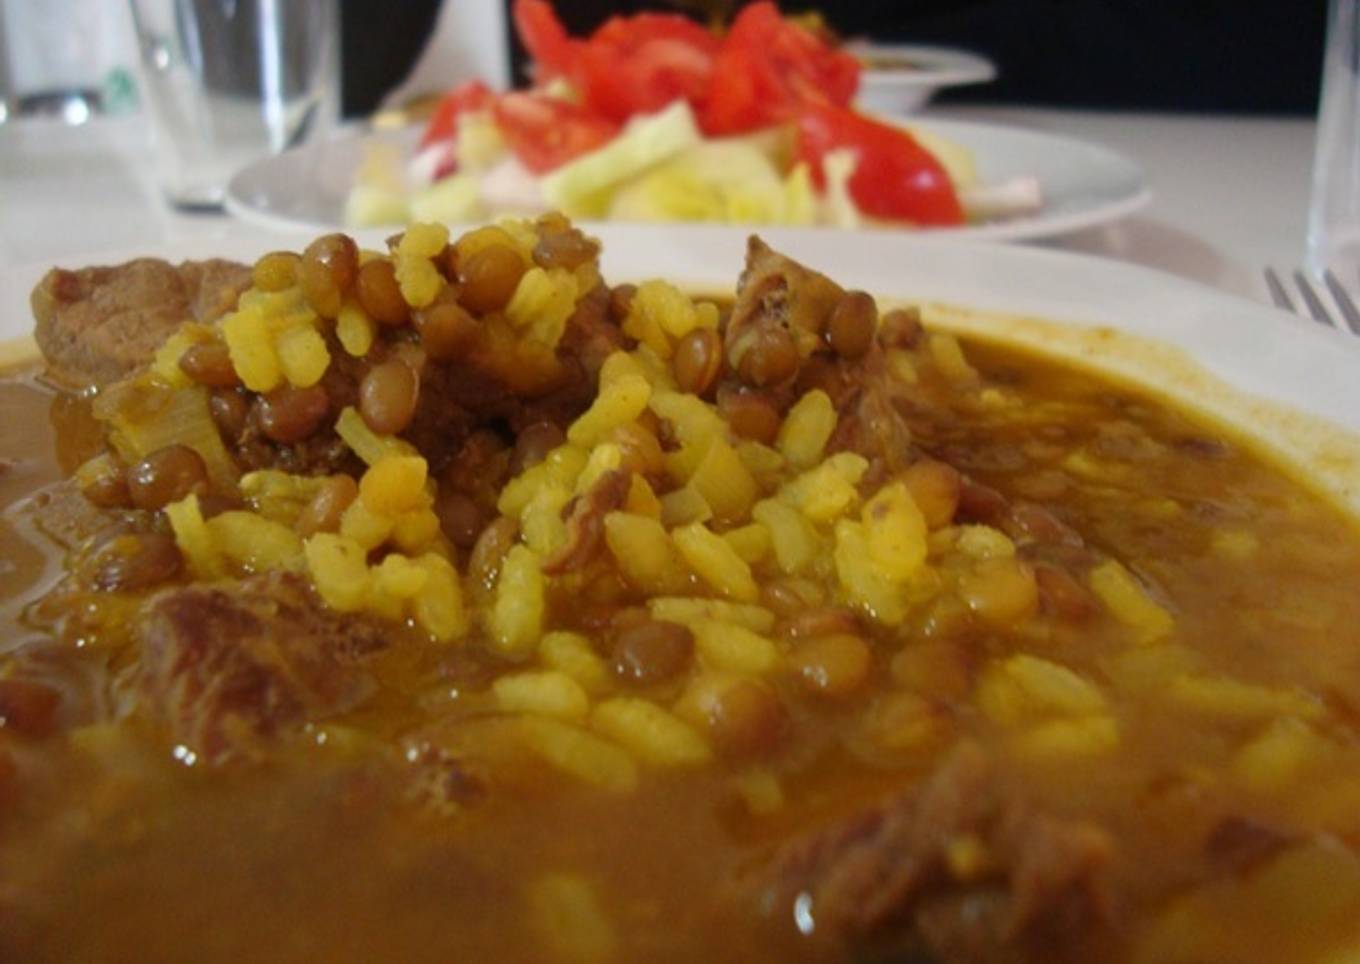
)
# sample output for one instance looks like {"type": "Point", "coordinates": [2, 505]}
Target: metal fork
{"type": "Point", "coordinates": [1313, 301]}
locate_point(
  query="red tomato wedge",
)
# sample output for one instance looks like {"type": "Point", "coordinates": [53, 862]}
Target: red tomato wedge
{"type": "Point", "coordinates": [640, 64]}
{"type": "Point", "coordinates": [443, 126]}
{"type": "Point", "coordinates": [630, 65]}
{"type": "Point", "coordinates": [545, 132]}
{"type": "Point", "coordinates": [767, 68]}
{"type": "Point", "coordinates": [895, 178]}
{"type": "Point", "coordinates": [549, 45]}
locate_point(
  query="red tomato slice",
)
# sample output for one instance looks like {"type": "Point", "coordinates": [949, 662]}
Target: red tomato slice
{"type": "Point", "coordinates": [629, 32]}
{"type": "Point", "coordinates": [544, 37]}
{"type": "Point", "coordinates": [443, 126]}
{"type": "Point", "coordinates": [645, 78]}
{"type": "Point", "coordinates": [639, 64]}
{"type": "Point", "coordinates": [767, 68]}
{"type": "Point", "coordinates": [895, 178]}
{"type": "Point", "coordinates": [545, 132]}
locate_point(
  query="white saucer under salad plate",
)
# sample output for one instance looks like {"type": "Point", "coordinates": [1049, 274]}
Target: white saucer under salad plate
{"type": "Point", "coordinates": [1082, 184]}
{"type": "Point", "coordinates": [902, 78]}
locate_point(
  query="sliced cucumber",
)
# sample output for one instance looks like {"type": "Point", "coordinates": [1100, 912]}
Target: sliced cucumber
{"type": "Point", "coordinates": [582, 188]}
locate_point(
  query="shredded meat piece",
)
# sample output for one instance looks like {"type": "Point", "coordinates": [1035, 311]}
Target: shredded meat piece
{"type": "Point", "coordinates": [223, 666]}
{"type": "Point", "coordinates": [99, 324]}
{"type": "Point", "coordinates": [775, 290]}
{"type": "Point", "coordinates": [890, 877]}
{"type": "Point", "coordinates": [585, 524]}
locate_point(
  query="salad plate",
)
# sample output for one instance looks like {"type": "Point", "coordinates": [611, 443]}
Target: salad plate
{"type": "Point", "coordinates": [900, 78]}
{"type": "Point", "coordinates": [1081, 184]}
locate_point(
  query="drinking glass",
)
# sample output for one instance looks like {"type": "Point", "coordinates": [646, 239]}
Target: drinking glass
{"type": "Point", "coordinates": [228, 81]}
{"type": "Point", "coordinates": [1334, 214]}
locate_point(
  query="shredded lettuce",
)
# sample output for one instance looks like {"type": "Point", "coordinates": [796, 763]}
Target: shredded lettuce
{"type": "Point", "coordinates": [451, 200]}
{"type": "Point", "coordinates": [367, 207]}
{"type": "Point", "coordinates": [726, 180]}
{"type": "Point", "coordinates": [839, 207]}
{"type": "Point", "coordinates": [582, 188]}
{"type": "Point", "coordinates": [480, 145]}
{"type": "Point", "coordinates": [800, 197]}
{"type": "Point", "coordinates": [379, 194]}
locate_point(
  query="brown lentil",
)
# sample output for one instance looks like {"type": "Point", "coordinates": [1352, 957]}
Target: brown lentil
{"type": "Point", "coordinates": [935, 488]}
{"type": "Point", "coordinates": [770, 359]}
{"type": "Point", "coordinates": [1061, 594]}
{"type": "Point", "coordinates": [460, 517]}
{"type": "Point", "coordinates": [697, 361]}
{"type": "Point", "coordinates": [446, 328]}
{"type": "Point", "coordinates": [489, 279]}
{"type": "Point", "coordinates": [620, 300]}
{"type": "Point", "coordinates": [209, 363]}
{"type": "Point", "coordinates": [832, 666]}
{"type": "Point", "coordinates": [746, 718]}
{"type": "Point", "coordinates": [323, 513]}
{"type": "Point", "coordinates": [133, 561]}
{"type": "Point", "coordinates": [850, 329]}
{"type": "Point", "coordinates": [380, 295]}
{"type": "Point", "coordinates": [1002, 591]}
{"type": "Point", "coordinates": [750, 415]}
{"type": "Point", "coordinates": [327, 272]}
{"type": "Point", "coordinates": [388, 396]}
{"type": "Point", "coordinates": [230, 411]}
{"type": "Point", "coordinates": [935, 667]}
{"type": "Point", "coordinates": [533, 445]}
{"type": "Point", "coordinates": [108, 489]}
{"type": "Point", "coordinates": [652, 651]}
{"type": "Point", "coordinates": [565, 249]}
{"type": "Point", "coordinates": [289, 415]}
{"type": "Point", "coordinates": [166, 475]}
{"type": "Point", "coordinates": [822, 621]}
{"type": "Point", "coordinates": [484, 562]}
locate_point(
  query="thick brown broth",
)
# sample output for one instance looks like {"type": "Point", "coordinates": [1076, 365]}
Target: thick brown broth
{"type": "Point", "coordinates": [116, 847]}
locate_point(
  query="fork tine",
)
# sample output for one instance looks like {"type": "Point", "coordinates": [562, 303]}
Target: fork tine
{"type": "Point", "coordinates": [1343, 301]}
{"type": "Point", "coordinates": [1310, 298]}
{"type": "Point", "coordinates": [1277, 292]}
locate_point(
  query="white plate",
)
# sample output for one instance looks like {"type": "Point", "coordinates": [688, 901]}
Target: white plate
{"type": "Point", "coordinates": [901, 90]}
{"type": "Point", "coordinates": [1245, 352]}
{"type": "Point", "coordinates": [1083, 184]}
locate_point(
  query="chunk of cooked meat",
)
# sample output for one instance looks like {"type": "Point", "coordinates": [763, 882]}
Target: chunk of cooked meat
{"type": "Point", "coordinates": [956, 864]}
{"type": "Point", "coordinates": [99, 324]}
{"type": "Point", "coordinates": [224, 666]}
{"type": "Point", "coordinates": [777, 292]}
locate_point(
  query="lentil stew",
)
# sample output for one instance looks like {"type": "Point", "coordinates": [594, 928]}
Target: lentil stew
{"type": "Point", "coordinates": [447, 602]}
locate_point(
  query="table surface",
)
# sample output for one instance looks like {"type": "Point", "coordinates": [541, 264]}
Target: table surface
{"type": "Point", "coordinates": [1230, 193]}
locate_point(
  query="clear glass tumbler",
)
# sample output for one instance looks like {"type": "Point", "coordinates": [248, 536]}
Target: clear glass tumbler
{"type": "Point", "coordinates": [1334, 215]}
{"type": "Point", "coordinates": [228, 81]}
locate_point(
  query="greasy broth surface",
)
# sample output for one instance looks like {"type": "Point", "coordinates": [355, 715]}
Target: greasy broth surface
{"type": "Point", "coordinates": [112, 849]}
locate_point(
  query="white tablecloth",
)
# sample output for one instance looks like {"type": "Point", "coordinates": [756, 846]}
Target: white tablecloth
{"type": "Point", "coordinates": [1230, 193]}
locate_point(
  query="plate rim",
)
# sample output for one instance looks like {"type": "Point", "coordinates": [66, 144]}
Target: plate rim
{"type": "Point", "coordinates": [947, 66]}
{"type": "Point", "coordinates": [1036, 227]}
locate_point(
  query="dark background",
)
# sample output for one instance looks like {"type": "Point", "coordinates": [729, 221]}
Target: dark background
{"type": "Point", "coordinates": [1248, 57]}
